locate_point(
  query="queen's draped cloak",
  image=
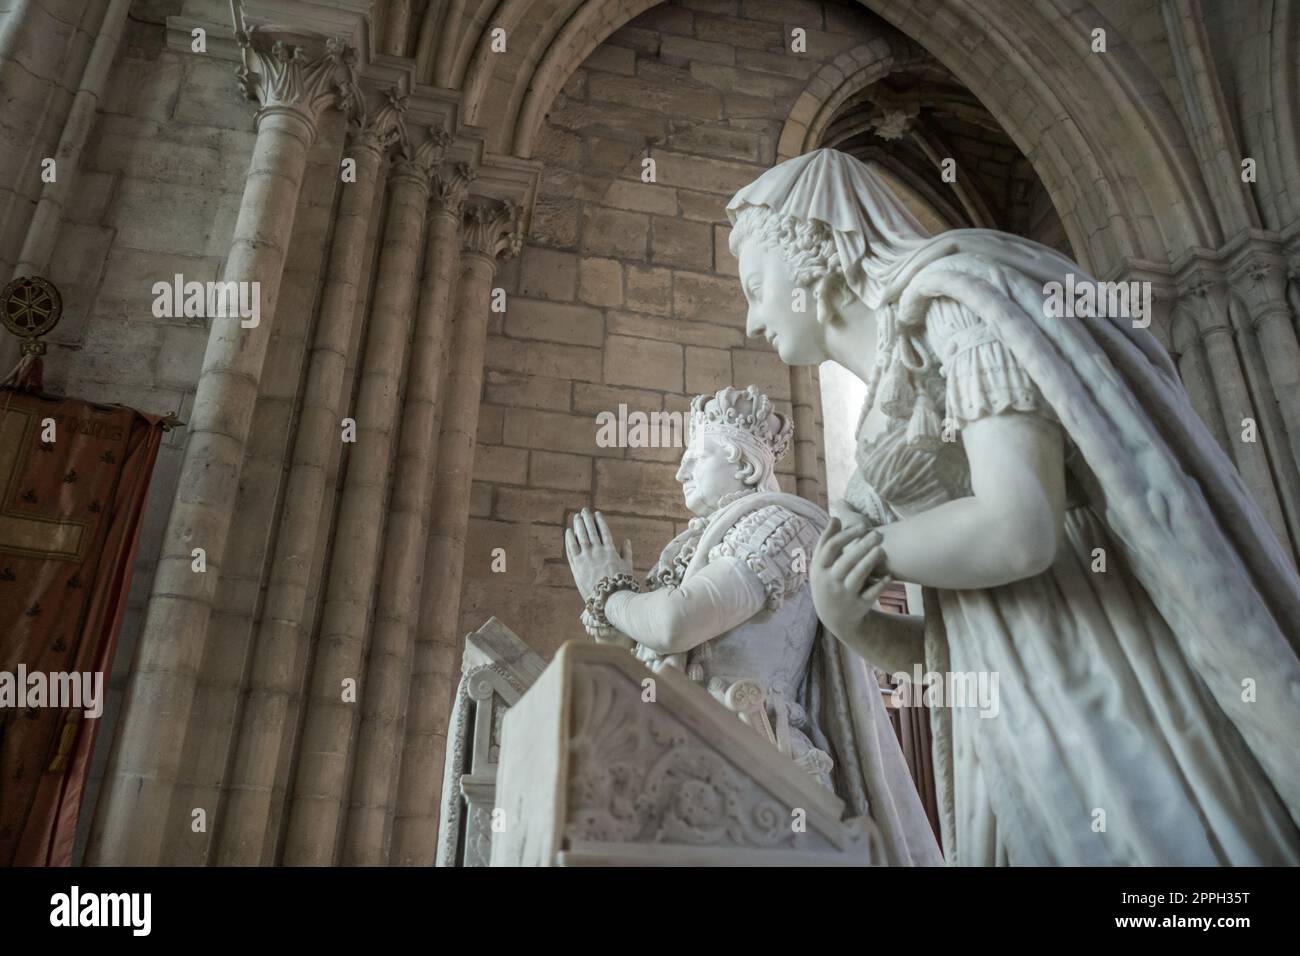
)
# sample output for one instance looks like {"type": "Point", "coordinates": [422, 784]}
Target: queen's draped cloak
{"type": "Point", "coordinates": [1149, 711]}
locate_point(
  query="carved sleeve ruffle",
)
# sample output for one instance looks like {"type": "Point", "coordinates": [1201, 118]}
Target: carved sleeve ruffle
{"type": "Point", "coordinates": [776, 545]}
{"type": "Point", "coordinates": [981, 375]}
{"type": "Point", "coordinates": [671, 620]}
{"type": "Point", "coordinates": [761, 560]}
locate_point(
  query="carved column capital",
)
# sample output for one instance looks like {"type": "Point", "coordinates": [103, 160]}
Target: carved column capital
{"type": "Point", "coordinates": [451, 182]}
{"type": "Point", "coordinates": [1209, 288]}
{"type": "Point", "coordinates": [1259, 278]}
{"type": "Point", "coordinates": [282, 77]}
{"type": "Point", "coordinates": [380, 129]}
{"type": "Point", "coordinates": [1291, 249]}
{"type": "Point", "coordinates": [1205, 291]}
{"type": "Point", "coordinates": [491, 228]}
{"type": "Point", "coordinates": [419, 155]}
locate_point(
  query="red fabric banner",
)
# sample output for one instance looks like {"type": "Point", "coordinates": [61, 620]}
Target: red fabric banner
{"type": "Point", "coordinates": [73, 478]}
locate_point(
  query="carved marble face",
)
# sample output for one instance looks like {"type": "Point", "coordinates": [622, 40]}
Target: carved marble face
{"type": "Point", "coordinates": [797, 336]}
{"type": "Point", "coordinates": [706, 475]}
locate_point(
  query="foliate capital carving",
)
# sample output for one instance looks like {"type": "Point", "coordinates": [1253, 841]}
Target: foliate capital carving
{"type": "Point", "coordinates": [1206, 287]}
{"type": "Point", "coordinates": [1260, 280]}
{"type": "Point", "coordinates": [419, 155]}
{"type": "Point", "coordinates": [378, 130]}
{"type": "Point", "coordinates": [276, 74]}
{"type": "Point", "coordinates": [451, 182]}
{"type": "Point", "coordinates": [1205, 291]}
{"type": "Point", "coordinates": [490, 228]}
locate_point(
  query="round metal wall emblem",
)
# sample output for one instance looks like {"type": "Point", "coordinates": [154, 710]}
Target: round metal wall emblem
{"type": "Point", "coordinates": [30, 306]}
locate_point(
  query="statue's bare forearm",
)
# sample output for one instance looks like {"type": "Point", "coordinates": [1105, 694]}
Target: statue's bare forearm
{"type": "Point", "coordinates": [1009, 529]}
{"type": "Point", "coordinates": [890, 642]}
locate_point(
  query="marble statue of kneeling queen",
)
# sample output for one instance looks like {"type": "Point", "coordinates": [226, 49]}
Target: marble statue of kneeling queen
{"type": "Point", "coordinates": [729, 603]}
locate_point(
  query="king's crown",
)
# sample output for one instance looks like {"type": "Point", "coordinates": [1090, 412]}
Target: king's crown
{"type": "Point", "coordinates": [747, 410]}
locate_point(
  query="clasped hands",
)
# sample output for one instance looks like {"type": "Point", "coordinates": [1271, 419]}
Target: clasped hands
{"type": "Point", "coordinates": [842, 574]}
{"type": "Point", "coordinates": [844, 586]}
{"type": "Point", "coordinates": [592, 554]}
{"type": "Point", "coordinates": [589, 546]}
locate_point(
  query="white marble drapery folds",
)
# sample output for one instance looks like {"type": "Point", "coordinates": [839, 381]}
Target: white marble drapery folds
{"type": "Point", "coordinates": [846, 716]}
{"type": "Point", "coordinates": [1193, 547]}
{"type": "Point", "coordinates": [871, 229]}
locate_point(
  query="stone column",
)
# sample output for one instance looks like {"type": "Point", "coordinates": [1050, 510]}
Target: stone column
{"type": "Point", "coordinates": [384, 703]}
{"type": "Point", "coordinates": [320, 783]}
{"type": "Point", "coordinates": [397, 26]}
{"type": "Point", "coordinates": [1210, 298]}
{"type": "Point", "coordinates": [489, 231]}
{"type": "Point", "coordinates": [44, 228]}
{"type": "Point", "coordinates": [292, 91]}
{"type": "Point", "coordinates": [1260, 280]}
{"type": "Point", "coordinates": [280, 650]}
{"type": "Point", "coordinates": [1187, 348]}
{"type": "Point", "coordinates": [45, 47]}
{"type": "Point", "coordinates": [1199, 384]}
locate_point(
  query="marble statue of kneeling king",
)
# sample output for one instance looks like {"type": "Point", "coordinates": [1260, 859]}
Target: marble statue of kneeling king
{"type": "Point", "coordinates": [729, 603]}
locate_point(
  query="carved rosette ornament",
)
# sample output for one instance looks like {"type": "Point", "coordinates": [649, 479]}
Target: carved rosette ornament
{"type": "Point", "coordinates": [281, 76]}
{"type": "Point", "coordinates": [893, 115]}
{"type": "Point", "coordinates": [892, 124]}
{"type": "Point", "coordinates": [491, 228]}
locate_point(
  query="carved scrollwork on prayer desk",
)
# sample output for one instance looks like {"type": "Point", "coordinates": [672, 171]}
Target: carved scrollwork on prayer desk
{"type": "Point", "coordinates": [593, 772]}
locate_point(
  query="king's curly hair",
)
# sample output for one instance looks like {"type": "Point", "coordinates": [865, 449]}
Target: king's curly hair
{"type": "Point", "coordinates": [806, 246]}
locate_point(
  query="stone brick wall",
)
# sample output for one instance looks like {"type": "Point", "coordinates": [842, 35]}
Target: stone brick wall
{"type": "Point", "coordinates": [626, 290]}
